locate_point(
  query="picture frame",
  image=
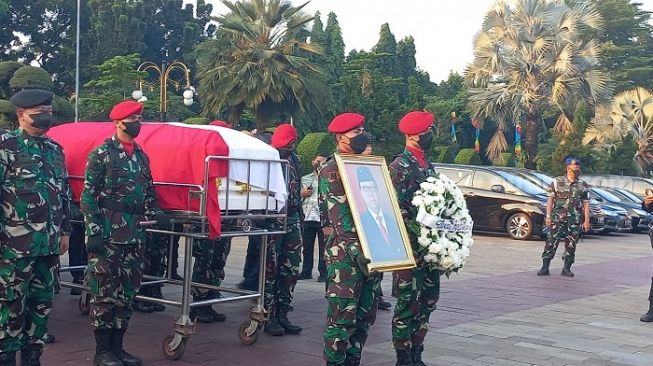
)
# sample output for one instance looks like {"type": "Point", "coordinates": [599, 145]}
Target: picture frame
{"type": "Point", "coordinates": [372, 200]}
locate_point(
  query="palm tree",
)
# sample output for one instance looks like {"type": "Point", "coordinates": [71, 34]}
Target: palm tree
{"type": "Point", "coordinates": [258, 62]}
{"type": "Point", "coordinates": [530, 57]}
{"type": "Point", "coordinates": [631, 114]}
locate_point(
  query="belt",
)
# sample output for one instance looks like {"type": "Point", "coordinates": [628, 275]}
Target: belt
{"type": "Point", "coordinates": [130, 208]}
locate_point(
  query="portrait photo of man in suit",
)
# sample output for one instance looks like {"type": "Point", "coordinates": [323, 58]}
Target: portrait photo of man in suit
{"type": "Point", "coordinates": [379, 224]}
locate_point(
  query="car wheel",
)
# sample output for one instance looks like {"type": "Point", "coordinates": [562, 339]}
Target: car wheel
{"type": "Point", "coordinates": [520, 226]}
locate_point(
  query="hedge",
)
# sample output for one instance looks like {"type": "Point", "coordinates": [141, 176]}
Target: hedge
{"type": "Point", "coordinates": [506, 159]}
{"type": "Point", "coordinates": [445, 154]}
{"type": "Point", "coordinates": [468, 157]}
{"type": "Point", "coordinates": [196, 121]}
{"type": "Point", "coordinates": [312, 144]}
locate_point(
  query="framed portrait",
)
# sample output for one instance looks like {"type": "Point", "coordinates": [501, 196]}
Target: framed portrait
{"type": "Point", "coordinates": [373, 202]}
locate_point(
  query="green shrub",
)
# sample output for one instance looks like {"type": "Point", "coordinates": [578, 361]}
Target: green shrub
{"type": "Point", "coordinates": [506, 159]}
{"type": "Point", "coordinates": [31, 77]}
{"type": "Point", "coordinates": [312, 144]}
{"type": "Point", "coordinates": [196, 120]}
{"type": "Point", "coordinates": [444, 154]}
{"type": "Point", "coordinates": [468, 157]}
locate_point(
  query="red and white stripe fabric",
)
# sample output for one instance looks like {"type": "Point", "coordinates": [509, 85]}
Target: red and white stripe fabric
{"type": "Point", "coordinates": [177, 154]}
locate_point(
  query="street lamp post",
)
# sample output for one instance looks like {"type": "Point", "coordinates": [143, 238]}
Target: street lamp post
{"type": "Point", "coordinates": [164, 77]}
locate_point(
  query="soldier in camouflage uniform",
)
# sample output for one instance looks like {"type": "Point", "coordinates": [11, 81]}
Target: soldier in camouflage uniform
{"type": "Point", "coordinates": [284, 251]}
{"type": "Point", "coordinates": [352, 292]}
{"type": "Point", "coordinates": [566, 208]}
{"type": "Point", "coordinates": [156, 250]}
{"type": "Point", "coordinates": [34, 228]}
{"type": "Point", "coordinates": [210, 260]}
{"type": "Point", "coordinates": [418, 289]}
{"type": "Point", "coordinates": [118, 194]}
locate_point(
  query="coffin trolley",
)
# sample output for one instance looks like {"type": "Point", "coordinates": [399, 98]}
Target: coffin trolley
{"type": "Point", "coordinates": [216, 183]}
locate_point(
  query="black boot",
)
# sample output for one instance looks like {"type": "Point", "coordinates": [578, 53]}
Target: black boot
{"type": "Point", "coordinates": [384, 304]}
{"type": "Point", "coordinates": [142, 306]}
{"type": "Point", "coordinates": [288, 327]}
{"type": "Point", "coordinates": [648, 317]}
{"type": "Point", "coordinates": [416, 353]}
{"type": "Point", "coordinates": [272, 326]}
{"type": "Point", "coordinates": [404, 357]}
{"type": "Point", "coordinates": [103, 354]}
{"type": "Point", "coordinates": [199, 314]}
{"type": "Point", "coordinates": [117, 336]}
{"type": "Point", "coordinates": [544, 271]}
{"type": "Point", "coordinates": [76, 291]}
{"type": "Point", "coordinates": [566, 270]}
{"type": "Point", "coordinates": [352, 361]}
{"type": "Point", "coordinates": [8, 359]}
{"type": "Point", "coordinates": [31, 356]}
{"type": "Point", "coordinates": [155, 291]}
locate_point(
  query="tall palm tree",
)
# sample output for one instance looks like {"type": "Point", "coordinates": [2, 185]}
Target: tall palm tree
{"type": "Point", "coordinates": [631, 114]}
{"type": "Point", "coordinates": [257, 62]}
{"type": "Point", "coordinates": [528, 57]}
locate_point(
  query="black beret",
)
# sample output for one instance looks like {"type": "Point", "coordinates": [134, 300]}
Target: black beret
{"type": "Point", "coordinates": [31, 98]}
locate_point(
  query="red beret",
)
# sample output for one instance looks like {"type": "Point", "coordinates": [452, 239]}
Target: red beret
{"type": "Point", "coordinates": [346, 122]}
{"type": "Point", "coordinates": [125, 109]}
{"type": "Point", "coordinates": [220, 123]}
{"type": "Point", "coordinates": [283, 135]}
{"type": "Point", "coordinates": [414, 123]}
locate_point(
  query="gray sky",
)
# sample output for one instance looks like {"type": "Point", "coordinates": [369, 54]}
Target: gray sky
{"type": "Point", "coordinates": [443, 29]}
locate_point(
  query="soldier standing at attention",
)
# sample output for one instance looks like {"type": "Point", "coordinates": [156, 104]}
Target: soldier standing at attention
{"type": "Point", "coordinates": [34, 227]}
{"type": "Point", "coordinates": [118, 193]}
{"type": "Point", "coordinates": [417, 289]}
{"type": "Point", "coordinates": [567, 206]}
{"type": "Point", "coordinates": [352, 292]}
{"type": "Point", "coordinates": [284, 251]}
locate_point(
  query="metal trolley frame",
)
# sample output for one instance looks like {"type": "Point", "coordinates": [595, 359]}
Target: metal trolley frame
{"type": "Point", "coordinates": [250, 221]}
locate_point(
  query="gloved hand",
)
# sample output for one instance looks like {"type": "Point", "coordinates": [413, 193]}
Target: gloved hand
{"type": "Point", "coordinates": [94, 244]}
{"type": "Point", "coordinates": [162, 219]}
{"type": "Point", "coordinates": [362, 264]}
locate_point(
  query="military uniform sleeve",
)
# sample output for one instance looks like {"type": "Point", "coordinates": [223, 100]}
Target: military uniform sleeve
{"type": "Point", "coordinates": [585, 196]}
{"type": "Point", "coordinates": [400, 179]}
{"type": "Point", "coordinates": [67, 202]}
{"type": "Point", "coordinates": [322, 192]}
{"type": "Point", "coordinates": [151, 202]}
{"type": "Point", "coordinates": [93, 184]}
{"type": "Point", "coordinates": [4, 167]}
{"type": "Point", "coordinates": [552, 188]}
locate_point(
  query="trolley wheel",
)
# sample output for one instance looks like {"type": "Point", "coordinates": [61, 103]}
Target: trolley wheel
{"type": "Point", "coordinates": [83, 303]}
{"type": "Point", "coordinates": [169, 352]}
{"type": "Point", "coordinates": [244, 337]}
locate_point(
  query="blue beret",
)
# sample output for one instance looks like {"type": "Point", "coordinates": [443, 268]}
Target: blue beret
{"type": "Point", "coordinates": [572, 161]}
{"type": "Point", "coordinates": [29, 98]}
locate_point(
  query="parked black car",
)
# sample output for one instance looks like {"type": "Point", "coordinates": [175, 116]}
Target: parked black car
{"type": "Point", "coordinates": [637, 185]}
{"type": "Point", "coordinates": [499, 201]}
{"type": "Point", "coordinates": [639, 219]}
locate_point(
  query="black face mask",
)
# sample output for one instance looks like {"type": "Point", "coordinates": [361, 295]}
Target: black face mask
{"type": "Point", "coordinates": [425, 141]}
{"type": "Point", "coordinates": [132, 128]}
{"type": "Point", "coordinates": [284, 152]}
{"type": "Point", "coordinates": [42, 120]}
{"type": "Point", "coordinates": [359, 143]}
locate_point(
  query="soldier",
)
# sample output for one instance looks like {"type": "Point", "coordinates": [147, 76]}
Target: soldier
{"type": "Point", "coordinates": [156, 250]}
{"type": "Point", "coordinates": [567, 205]}
{"type": "Point", "coordinates": [647, 205]}
{"type": "Point", "coordinates": [284, 251]}
{"type": "Point", "coordinates": [118, 194]}
{"type": "Point", "coordinates": [418, 289]}
{"type": "Point", "coordinates": [352, 292]}
{"type": "Point", "coordinates": [35, 230]}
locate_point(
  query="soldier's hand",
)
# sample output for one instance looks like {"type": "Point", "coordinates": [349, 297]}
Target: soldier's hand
{"type": "Point", "coordinates": [95, 244]}
{"type": "Point", "coordinates": [362, 264]}
{"type": "Point", "coordinates": [65, 243]}
{"type": "Point", "coordinates": [587, 226]}
{"type": "Point", "coordinates": [162, 219]}
{"type": "Point", "coordinates": [547, 222]}
{"type": "Point", "coordinates": [648, 200]}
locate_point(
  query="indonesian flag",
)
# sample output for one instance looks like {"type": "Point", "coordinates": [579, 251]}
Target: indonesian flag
{"type": "Point", "coordinates": [177, 154]}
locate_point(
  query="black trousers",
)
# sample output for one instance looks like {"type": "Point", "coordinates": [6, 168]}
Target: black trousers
{"type": "Point", "coordinates": [252, 260]}
{"type": "Point", "coordinates": [77, 251]}
{"type": "Point", "coordinates": [312, 230]}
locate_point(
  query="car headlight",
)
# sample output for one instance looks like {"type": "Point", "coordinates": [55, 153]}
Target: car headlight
{"type": "Point", "coordinates": [640, 212]}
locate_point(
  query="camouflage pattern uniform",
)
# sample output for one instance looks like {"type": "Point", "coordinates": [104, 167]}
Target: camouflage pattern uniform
{"type": "Point", "coordinates": [210, 260]}
{"type": "Point", "coordinates": [283, 256]}
{"type": "Point", "coordinates": [35, 200]}
{"type": "Point", "coordinates": [566, 216]}
{"type": "Point", "coordinates": [418, 289]}
{"type": "Point", "coordinates": [114, 275]}
{"type": "Point", "coordinates": [352, 298]}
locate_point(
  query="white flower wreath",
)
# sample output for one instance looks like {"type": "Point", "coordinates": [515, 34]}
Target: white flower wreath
{"type": "Point", "coordinates": [445, 226]}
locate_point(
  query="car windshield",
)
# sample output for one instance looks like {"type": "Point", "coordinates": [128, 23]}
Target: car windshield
{"type": "Point", "coordinates": [630, 196]}
{"type": "Point", "coordinates": [606, 195]}
{"type": "Point", "coordinates": [521, 183]}
{"type": "Point", "coordinates": [541, 176]}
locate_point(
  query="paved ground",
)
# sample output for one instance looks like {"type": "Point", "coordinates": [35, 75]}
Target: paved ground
{"type": "Point", "coordinates": [496, 312]}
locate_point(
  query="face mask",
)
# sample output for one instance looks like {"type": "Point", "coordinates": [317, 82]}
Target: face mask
{"type": "Point", "coordinates": [575, 173]}
{"type": "Point", "coordinates": [359, 143]}
{"type": "Point", "coordinates": [425, 141]}
{"type": "Point", "coordinates": [284, 153]}
{"type": "Point", "coordinates": [42, 120]}
{"type": "Point", "coordinates": [132, 128]}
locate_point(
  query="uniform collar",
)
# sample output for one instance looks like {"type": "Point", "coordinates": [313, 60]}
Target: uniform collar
{"type": "Point", "coordinates": [417, 155]}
